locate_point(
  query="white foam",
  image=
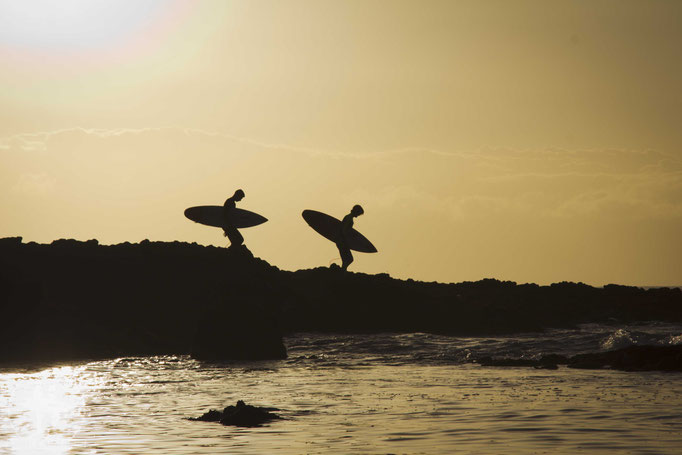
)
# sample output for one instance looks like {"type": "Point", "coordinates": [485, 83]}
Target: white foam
{"type": "Point", "coordinates": [621, 338]}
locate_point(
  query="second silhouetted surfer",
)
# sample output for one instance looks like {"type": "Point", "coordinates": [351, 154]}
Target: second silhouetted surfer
{"type": "Point", "coordinates": [231, 232]}
{"type": "Point", "coordinates": [340, 232]}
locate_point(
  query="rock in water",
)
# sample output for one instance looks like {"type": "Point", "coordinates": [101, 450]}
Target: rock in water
{"type": "Point", "coordinates": [632, 358]}
{"type": "Point", "coordinates": [211, 416]}
{"type": "Point", "coordinates": [238, 333]}
{"type": "Point", "coordinates": [241, 415]}
{"type": "Point", "coordinates": [547, 362]}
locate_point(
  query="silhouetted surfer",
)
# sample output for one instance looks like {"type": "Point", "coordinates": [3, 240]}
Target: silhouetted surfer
{"type": "Point", "coordinates": [342, 242]}
{"type": "Point", "coordinates": [231, 232]}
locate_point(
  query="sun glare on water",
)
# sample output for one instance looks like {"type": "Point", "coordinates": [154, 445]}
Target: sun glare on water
{"type": "Point", "coordinates": [43, 408]}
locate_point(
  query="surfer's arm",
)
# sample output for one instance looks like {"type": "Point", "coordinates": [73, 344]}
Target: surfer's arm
{"type": "Point", "coordinates": [346, 226]}
{"type": "Point", "coordinates": [228, 207]}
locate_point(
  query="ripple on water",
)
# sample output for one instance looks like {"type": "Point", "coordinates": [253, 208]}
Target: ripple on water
{"type": "Point", "coordinates": [338, 400]}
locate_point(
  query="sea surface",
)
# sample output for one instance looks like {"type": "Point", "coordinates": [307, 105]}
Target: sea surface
{"type": "Point", "coordinates": [339, 393]}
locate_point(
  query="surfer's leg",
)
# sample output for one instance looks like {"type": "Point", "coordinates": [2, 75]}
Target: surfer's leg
{"type": "Point", "coordinates": [234, 235]}
{"type": "Point", "coordinates": [346, 258]}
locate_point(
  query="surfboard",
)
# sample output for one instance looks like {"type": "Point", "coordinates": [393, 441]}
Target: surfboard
{"type": "Point", "coordinates": [212, 215]}
{"type": "Point", "coordinates": [329, 227]}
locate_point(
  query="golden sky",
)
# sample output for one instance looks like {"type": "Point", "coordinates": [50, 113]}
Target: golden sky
{"type": "Point", "coordinates": [530, 141]}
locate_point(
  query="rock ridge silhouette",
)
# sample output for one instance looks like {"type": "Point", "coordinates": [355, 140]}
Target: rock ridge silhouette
{"type": "Point", "coordinates": [79, 300]}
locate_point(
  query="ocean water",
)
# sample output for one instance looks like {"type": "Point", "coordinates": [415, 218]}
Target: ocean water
{"type": "Point", "coordinates": [385, 393]}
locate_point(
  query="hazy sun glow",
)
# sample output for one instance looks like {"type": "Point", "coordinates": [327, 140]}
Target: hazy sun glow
{"type": "Point", "coordinates": [484, 139]}
{"type": "Point", "coordinates": [73, 25]}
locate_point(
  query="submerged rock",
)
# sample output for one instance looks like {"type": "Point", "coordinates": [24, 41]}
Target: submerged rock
{"type": "Point", "coordinates": [211, 416]}
{"type": "Point", "coordinates": [241, 415]}
{"type": "Point", "coordinates": [632, 358]}
{"type": "Point", "coordinates": [549, 362]}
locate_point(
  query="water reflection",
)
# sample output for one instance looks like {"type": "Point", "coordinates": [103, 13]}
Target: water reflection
{"type": "Point", "coordinates": [41, 409]}
{"type": "Point", "coordinates": [335, 399]}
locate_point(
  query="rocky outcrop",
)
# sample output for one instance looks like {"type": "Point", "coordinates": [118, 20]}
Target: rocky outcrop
{"type": "Point", "coordinates": [330, 300]}
{"type": "Point", "coordinates": [632, 358]}
{"type": "Point", "coordinates": [72, 299]}
{"type": "Point", "coordinates": [238, 333]}
{"type": "Point", "coordinates": [241, 415]}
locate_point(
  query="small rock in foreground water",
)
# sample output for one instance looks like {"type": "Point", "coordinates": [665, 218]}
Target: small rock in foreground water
{"type": "Point", "coordinates": [241, 415]}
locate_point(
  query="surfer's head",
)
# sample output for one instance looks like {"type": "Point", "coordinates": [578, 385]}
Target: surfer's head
{"type": "Point", "coordinates": [238, 195]}
{"type": "Point", "coordinates": [357, 210]}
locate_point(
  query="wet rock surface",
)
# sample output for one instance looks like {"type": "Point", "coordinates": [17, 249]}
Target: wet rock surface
{"type": "Point", "coordinates": [632, 358]}
{"type": "Point", "coordinates": [548, 362]}
{"type": "Point", "coordinates": [240, 415]}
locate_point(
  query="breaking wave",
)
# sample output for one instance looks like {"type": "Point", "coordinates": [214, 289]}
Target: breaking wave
{"type": "Point", "coordinates": [425, 348]}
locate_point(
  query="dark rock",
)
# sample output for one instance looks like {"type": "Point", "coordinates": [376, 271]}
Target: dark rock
{"type": "Point", "coordinates": [547, 363]}
{"type": "Point", "coordinates": [632, 358]}
{"type": "Point", "coordinates": [241, 415]}
{"type": "Point", "coordinates": [211, 416]}
{"type": "Point", "coordinates": [10, 242]}
{"type": "Point", "coordinates": [75, 299]}
{"type": "Point", "coordinates": [506, 362]}
{"type": "Point", "coordinates": [239, 332]}
{"type": "Point", "coordinates": [555, 359]}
